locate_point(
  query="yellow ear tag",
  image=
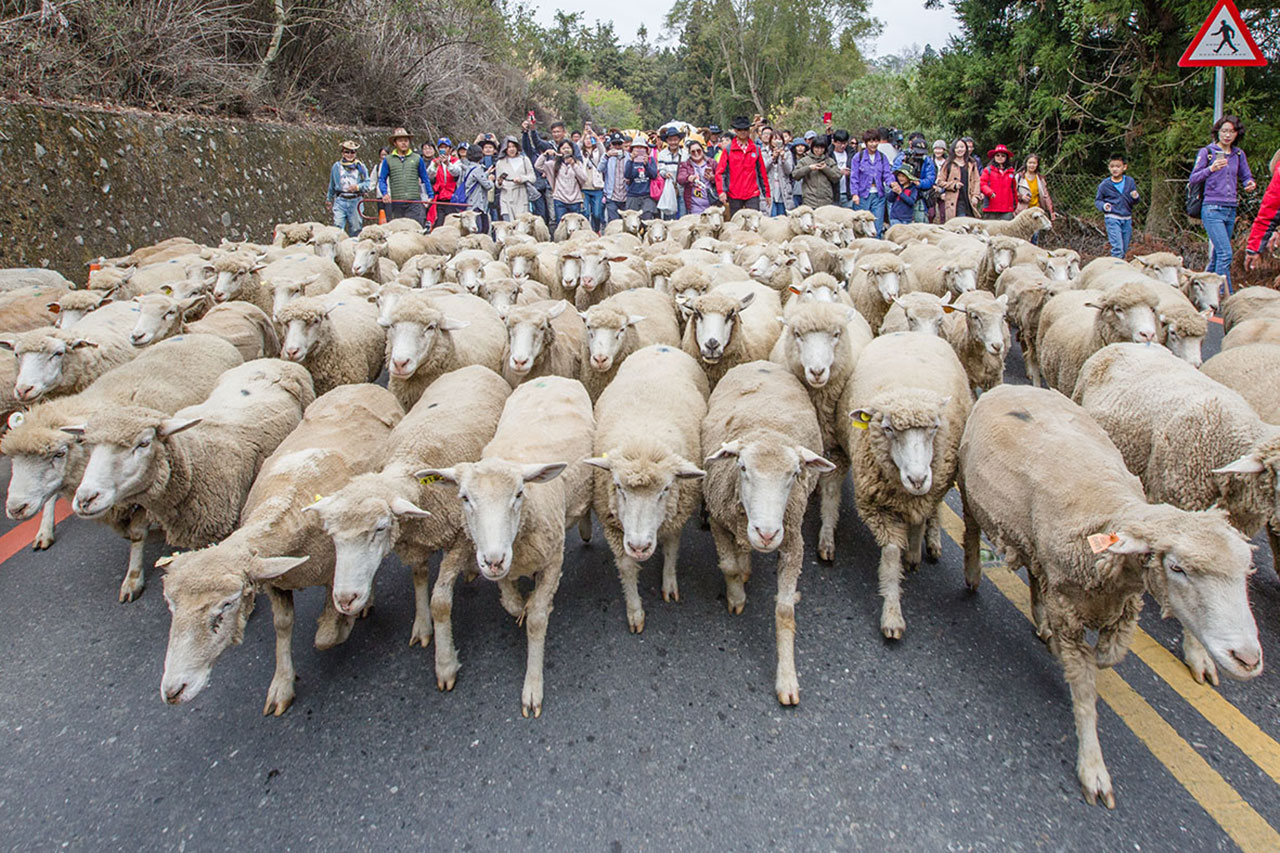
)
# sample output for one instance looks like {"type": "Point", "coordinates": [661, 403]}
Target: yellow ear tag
{"type": "Point", "coordinates": [1100, 542]}
{"type": "Point", "coordinates": [426, 481]}
{"type": "Point", "coordinates": [861, 420]}
{"type": "Point", "coordinates": [317, 498]}
{"type": "Point", "coordinates": [604, 455]}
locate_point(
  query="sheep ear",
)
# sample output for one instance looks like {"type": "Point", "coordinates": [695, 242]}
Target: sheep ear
{"type": "Point", "coordinates": [601, 462]}
{"type": "Point", "coordinates": [946, 300]}
{"type": "Point", "coordinates": [633, 319]}
{"type": "Point", "coordinates": [543, 472]}
{"type": "Point", "coordinates": [726, 450]}
{"type": "Point", "coordinates": [402, 507]}
{"type": "Point", "coordinates": [1003, 300]}
{"type": "Point", "coordinates": [556, 310]}
{"type": "Point", "coordinates": [814, 462]}
{"type": "Point", "coordinates": [1126, 543]}
{"type": "Point", "coordinates": [173, 426]}
{"type": "Point", "coordinates": [81, 343]}
{"type": "Point", "coordinates": [617, 259]}
{"type": "Point", "coordinates": [583, 315]}
{"type": "Point", "coordinates": [167, 290]}
{"type": "Point", "coordinates": [746, 300]}
{"type": "Point", "coordinates": [184, 305]}
{"type": "Point", "coordinates": [948, 309]}
{"type": "Point", "coordinates": [1247, 464]}
{"type": "Point", "coordinates": [71, 429]}
{"type": "Point", "coordinates": [449, 324]}
{"type": "Point", "coordinates": [1094, 305]}
{"type": "Point", "coordinates": [318, 504]}
{"type": "Point", "coordinates": [448, 475]}
{"type": "Point", "coordinates": [686, 470]}
{"type": "Point", "coordinates": [107, 299]}
{"type": "Point", "coordinates": [163, 562]}
{"type": "Point", "coordinates": [267, 568]}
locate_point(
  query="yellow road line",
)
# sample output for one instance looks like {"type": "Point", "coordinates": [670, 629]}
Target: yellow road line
{"type": "Point", "coordinates": [1215, 795]}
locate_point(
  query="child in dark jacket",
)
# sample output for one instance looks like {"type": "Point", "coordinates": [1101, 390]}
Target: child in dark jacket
{"type": "Point", "coordinates": [903, 191]}
{"type": "Point", "coordinates": [1117, 197]}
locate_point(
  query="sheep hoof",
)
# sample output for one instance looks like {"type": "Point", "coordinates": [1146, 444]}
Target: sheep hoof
{"type": "Point", "coordinates": [279, 698]}
{"type": "Point", "coordinates": [420, 636]}
{"type": "Point", "coordinates": [736, 607]}
{"type": "Point", "coordinates": [445, 682]}
{"type": "Point", "coordinates": [1202, 667]}
{"type": "Point", "coordinates": [42, 542]}
{"type": "Point", "coordinates": [531, 700]}
{"type": "Point", "coordinates": [1096, 785]}
{"type": "Point", "coordinates": [130, 589]}
{"type": "Point", "coordinates": [672, 594]}
{"type": "Point", "coordinates": [827, 551]}
{"type": "Point", "coordinates": [892, 625]}
{"type": "Point", "coordinates": [788, 690]}
{"type": "Point", "coordinates": [636, 621]}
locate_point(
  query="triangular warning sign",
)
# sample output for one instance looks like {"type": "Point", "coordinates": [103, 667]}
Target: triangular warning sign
{"type": "Point", "coordinates": [1223, 40]}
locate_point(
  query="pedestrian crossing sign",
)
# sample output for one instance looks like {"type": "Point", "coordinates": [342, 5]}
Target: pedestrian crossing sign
{"type": "Point", "coordinates": [1223, 40]}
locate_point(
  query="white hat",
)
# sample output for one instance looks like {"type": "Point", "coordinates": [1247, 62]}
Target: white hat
{"type": "Point", "coordinates": [639, 141]}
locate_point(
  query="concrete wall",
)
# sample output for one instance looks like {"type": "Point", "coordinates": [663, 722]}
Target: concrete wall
{"type": "Point", "coordinates": [78, 184]}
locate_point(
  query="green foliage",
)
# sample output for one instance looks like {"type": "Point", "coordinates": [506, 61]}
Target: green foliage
{"type": "Point", "coordinates": [610, 107]}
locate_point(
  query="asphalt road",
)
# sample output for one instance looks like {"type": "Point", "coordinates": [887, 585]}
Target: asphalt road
{"type": "Point", "coordinates": [959, 736]}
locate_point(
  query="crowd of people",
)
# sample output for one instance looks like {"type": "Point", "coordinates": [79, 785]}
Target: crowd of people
{"type": "Point", "coordinates": [679, 169]}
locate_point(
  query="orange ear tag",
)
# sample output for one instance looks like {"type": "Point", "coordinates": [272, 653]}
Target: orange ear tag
{"type": "Point", "coordinates": [1100, 542]}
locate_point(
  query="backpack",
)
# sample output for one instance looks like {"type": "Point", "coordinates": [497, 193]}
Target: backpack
{"type": "Point", "coordinates": [460, 191]}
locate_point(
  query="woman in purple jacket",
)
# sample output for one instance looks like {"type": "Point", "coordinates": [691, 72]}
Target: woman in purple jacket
{"type": "Point", "coordinates": [1221, 166]}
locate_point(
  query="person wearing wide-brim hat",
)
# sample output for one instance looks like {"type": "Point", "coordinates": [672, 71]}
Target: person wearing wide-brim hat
{"type": "Point", "coordinates": [904, 191]}
{"type": "Point", "coordinates": [640, 172]}
{"type": "Point", "coordinates": [999, 184]}
{"type": "Point", "coordinates": [741, 180]}
{"type": "Point", "coordinates": [348, 182]}
{"type": "Point", "coordinates": [403, 181]}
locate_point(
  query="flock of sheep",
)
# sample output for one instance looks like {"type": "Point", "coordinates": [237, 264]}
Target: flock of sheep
{"type": "Point", "coordinates": [725, 369]}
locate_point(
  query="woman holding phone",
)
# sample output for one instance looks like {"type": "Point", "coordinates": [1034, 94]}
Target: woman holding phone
{"type": "Point", "coordinates": [1221, 168]}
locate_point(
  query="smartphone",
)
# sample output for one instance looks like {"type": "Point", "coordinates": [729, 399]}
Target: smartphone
{"type": "Point", "coordinates": [826, 118]}
{"type": "Point", "coordinates": [532, 118]}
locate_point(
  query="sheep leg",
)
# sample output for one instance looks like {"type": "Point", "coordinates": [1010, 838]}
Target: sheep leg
{"type": "Point", "coordinates": [442, 615]}
{"type": "Point", "coordinates": [893, 538]}
{"type": "Point", "coordinates": [1271, 538]}
{"type": "Point", "coordinates": [830, 483]}
{"type": "Point", "coordinates": [1198, 659]}
{"type": "Point", "coordinates": [511, 600]}
{"type": "Point", "coordinates": [280, 694]}
{"type": "Point", "coordinates": [933, 536]}
{"type": "Point", "coordinates": [44, 538]}
{"type": "Point", "coordinates": [1038, 593]}
{"type": "Point", "coordinates": [135, 575]}
{"type": "Point", "coordinates": [786, 682]}
{"type": "Point", "coordinates": [972, 551]}
{"type": "Point", "coordinates": [539, 610]}
{"type": "Point", "coordinates": [332, 628]}
{"type": "Point", "coordinates": [735, 580]}
{"type": "Point", "coordinates": [421, 634]}
{"type": "Point", "coordinates": [670, 554]}
{"type": "Point", "coordinates": [584, 527]}
{"type": "Point", "coordinates": [1082, 674]}
{"type": "Point", "coordinates": [915, 543]}
{"type": "Point", "coordinates": [1032, 363]}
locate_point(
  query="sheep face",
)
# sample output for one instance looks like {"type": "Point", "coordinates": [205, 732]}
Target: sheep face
{"type": "Point", "coordinates": [657, 232]}
{"type": "Point", "coordinates": [1000, 255]}
{"type": "Point", "coordinates": [713, 325]}
{"type": "Point", "coordinates": [37, 477]}
{"type": "Point", "coordinates": [502, 293]}
{"type": "Point", "coordinates": [1204, 289]}
{"type": "Point", "coordinates": [960, 277]}
{"type": "Point", "coordinates": [847, 263]}
{"type": "Point", "coordinates": [766, 266]}
{"type": "Point", "coordinates": [301, 334]}
{"type": "Point", "coordinates": [365, 258]}
{"type": "Point", "coordinates": [903, 437]}
{"type": "Point", "coordinates": [1060, 268]}
{"type": "Point", "coordinates": [632, 223]}
{"type": "Point", "coordinates": [864, 224]}
{"type": "Point", "coordinates": [887, 280]}
{"type": "Point", "coordinates": [409, 342]}
{"type": "Point", "coordinates": [492, 492]}
{"type": "Point", "coordinates": [40, 361]}
{"type": "Point", "coordinates": [748, 219]}
{"type": "Point", "coordinates": [197, 282]}
{"type": "Point", "coordinates": [325, 248]}
{"type": "Point", "coordinates": [767, 471]}
{"type": "Point", "coordinates": [586, 268]}
{"type": "Point", "coordinates": [606, 333]}
{"type": "Point", "coordinates": [1136, 323]}
{"type": "Point", "coordinates": [816, 349]}
{"type": "Point", "coordinates": [209, 606]}
{"type": "Point", "coordinates": [469, 222]}
{"type": "Point", "coordinates": [387, 297]}
{"type": "Point", "coordinates": [641, 488]}
{"type": "Point", "coordinates": [466, 272]}
{"type": "Point", "coordinates": [159, 316]}
{"type": "Point", "coordinates": [431, 270]}
{"type": "Point", "coordinates": [521, 264]}
{"type": "Point", "coordinates": [714, 217]}
{"type": "Point", "coordinates": [122, 451]}
{"type": "Point", "coordinates": [228, 283]}
{"type": "Point", "coordinates": [503, 230]}
{"type": "Point", "coordinates": [1161, 266]}
{"type": "Point", "coordinates": [285, 292]}
{"type": "Point", "coordinates": [73, 307]}
{"type": "Point", "coordinates": [529, 332]}
{"type": "Point", "coordinates": [836, 235]}
{"type": "Point", "coordinates": [1039, 219]}
{"type": "Point", "coordinates": [820, 288]}
{"type": "Point", "coordinates": [802, 220]}
{"type": "Point", "coordinates": [803, 263]}
{"type": "Point", "coordinates": [923, 312]}
{"type": "Point", "coordinates": [1182, 341]}
{"type": "Point", "coordinates": [986, 324]}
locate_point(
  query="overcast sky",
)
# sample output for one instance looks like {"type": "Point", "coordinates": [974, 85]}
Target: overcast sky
{"type": "Point", "coordinates": [906, 22]}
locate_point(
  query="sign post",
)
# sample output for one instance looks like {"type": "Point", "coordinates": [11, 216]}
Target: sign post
{"type": "Point", "coordinates": [1223, 41]}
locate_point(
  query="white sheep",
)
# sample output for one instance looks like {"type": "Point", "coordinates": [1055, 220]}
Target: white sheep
{"type": "Point", "coordinates": [880, 278]}
{"type": "Point", "coordinates": [759, 435]}
{"type": "Point", "coordinates": [594, 271]}
{"type": "Point", "coordinates": [1001, 253]}
{"type": "Point", "coordinates": [299, 275]}
{"type": "Point", "coordinates": [13, 278]}
{"type": "Point", "coordinates": [820, 344]}
{"type": "Point", "coordinates": [423, 271]}
{"type": "Point", "coordinates": [238, 275]}
{"type": "Point", "coordinates": [905, 408]}
{"type": "Point", "coordinates": [1099, 268]}
{"type": "Point", "coordinates": [533, 225]}
{"type": "Point", "coordinates": [430, 335]}
{"type": "Point", "coordinates": [1076, 324]}
{"type": "Point", "coordinates": [70, 308]}
{"type": "Point", "coordinates": [393, 509]}
{"type": "Point", "coordinates": [1248, 303]}
{"type": "Point", "coordinates": [468, 269]}
{"type": "Point", "coordinates": [540, 263]}
{"type": "Point", "coordinates": [26, 308]}
{"type": "Point", "coordinates": [278, 547]}
{"type": "Point", "coordinates": [1204, 289]}
{"type": "Point", "coordinates": [516, 504]}
{"type": "Point", "coordinates": [1026, 459]}
{"type": "Point", "coordinates": [1028, 289]}
{"type": "Point", "coordinates": [241, 324]}
{"type": "Point", "coordinates": [915, 232]}
{"type": "Point", "coordinates": [936, 270]}
{"type": "Point", "coordinates": [819, 287]}
{"type": "Point", "coordinates": [1162, 266]}
{"type": "Point", "coordinates": [1024, 226]}
{"type": "Point", "coordinates": [506, 292]}
{"type": "Point", "coordinates": [48, 463]}
{"type": "Point", "coordinates": [647, 446]}
{"type": "Point", "coordinates": [1251, 371]}
{"type": "Point", "coordinates": [192, 470]}
{"type": "Point", "coordinates": [771, 265]}
{"type": "Point", "coordinates": [543, 339]}
{"type": "Point", "coordinates": [570, 224]}
{"type": "Point", "coordinates": [915, 312]}
{"type": "Point", "coordinates": [618, 327]}
{"type": "Point", "coordinates": [52, 362]}
{"type": "Point", "coordinates": [732, 324]}
{"type": "Point", "coordinates": [339, 342]}
{"type": "Point", "coordinates": [1258, 330]}
{"type": "Point", "coordinates": [977, 331]}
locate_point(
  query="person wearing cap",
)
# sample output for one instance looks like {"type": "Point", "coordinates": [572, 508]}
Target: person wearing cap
{"type": "Point", "coordinates": [841, 154]}
{"type": "Point", "coordinates": [741, 180]}
{"type": "Point", "coordinates": [924, 173]}
{"type": "Point", "coordinates": [904, 191]}
{"type": "Point", "coordinates": [513, 174]}
{"type": "Point", "coordinates": [640, 171]}
{"type": "Point", "coordinates": [818, 174]}
{"type": "Point", "coordinates": [474, 178]}
{"type": "Point", "coordinates": [713, 141]}
{"type": "Point", "coordinates": [999, 184]}
{"type": "Point", "coordinates": [613, 169]}
{"type": "Point", "coordinates": [401, 178]}
{"type": "Point", "coordinates": [348, 182]}
{"type": "Point", "coordinates": [870, 174]}
{"type": "Point", "coordinates": [442, 180]}
{"type": "Point", "coordinates": [669, 159]}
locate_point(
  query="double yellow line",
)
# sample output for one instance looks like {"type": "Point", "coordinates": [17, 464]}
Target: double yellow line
{"type": "Point", "coordinates": [1224, 804]}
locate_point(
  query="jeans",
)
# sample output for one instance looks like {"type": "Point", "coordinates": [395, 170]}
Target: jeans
{"type": "Point", "coordinates": [612, 210]}
{"type": "Point", "coordinates": [779, 208]}
{"type": "Point", "coordinates": [1219, 223]}
{"type": "Point", "coordinates": [346, 215]}
{"type": "Point", "coordinates": [562, 208]}
{"type": "Point", "coordinates": [921, 212]}
{"type": "Point", "coordinates": [594, 203]}
{"type": "Point", "coordinates": [1119, 232]}
{"type": "Point", "coordinates": [798, 199]}
{"type": "Point", "coordinates": [407, 210]}
{"type": "Point", "coordinates": [899, 221]}
{"type": "Point", "coordinates": [874, 202]}
{"type": "Point", "coordinates": [538, 207]}
{"type": "Point", "coordinates": [736, 204]}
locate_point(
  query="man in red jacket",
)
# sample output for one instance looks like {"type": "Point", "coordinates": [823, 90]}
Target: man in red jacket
{"type": "Point", "coordinates": [999, 184]}
{"type": "Point", "coordinates": [741, 180]}
{"type": "Point", "coordinates": [1264, 234]}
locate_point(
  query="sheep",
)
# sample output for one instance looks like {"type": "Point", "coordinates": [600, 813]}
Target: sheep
{"type": "Point", "coordinates": [1250, 370]}
{"type": "Point", "coordinates": [1204, 289]}
{"type": "Point", "coordinates": [430, 335]}
{"type": "Point", "coordinates": [470, 267]}
{"type": "Point", "coordinates": [516, 504]}
{"type": "Point", "coordinates": [647, 446]}
{"type": "Point", "coordinates": [975, 244]}
{"type": "Point", "coordinates": [423, 271]}
{"type": "Point", "coordinates": [292, 233]}
{"type": "Point", "coordinates": [1162, 266]}
{"type": "Point", "coordinates": [338, 342]}
{"type": "Point", "coordinates": [593, 272]}
{"type": "Point", "coordinates": [1001, 253]}
{"type": "Point", "coordinates": [54, 362]}
{"type": "Point", "coordinates": [732, 324]}
{"type": "Point", "coordinates": [769, 264]}
{"type": "Point", "coordinates": [878, 281]}
{"type": "Point", "coordinates": [295, 276]}
{"type": "Point", "coordinates": [191, 471]}
{"type": "Point", "coordinates": [915, 312]}
{"type": "Point", "coordinates": [278, 547]}
{"type": "Point", "coordinates": [73, 306]}
{"type": "Point", "coordinates": [760, 417]}
{"type": "Point", "coordinates": [403, 245]}
{"type": "Point", "coordinates": [905, 233]}
{"type": "Point", "coordinates": [1027, 458]}
{"type": "Point", "coordinates": [1076, 324]}
{"type": "Point", "coordinates": [661, 269]}
{"type": "Point", "coordinates": [935, 270]}
{"type": "Point", "coordinates": [27, 308]}
{"type": "Point", "coordinates": [533, 225]}
{"type": "Point", "coordinates": [183, 276]}
{"type": "Point", "coordinates": [369, 260]}
{"type": "Point", "coordinates": [443, 240]}
{"type": "Point", "coordinates": [748, 219]}
{"type": "Point", "coordinates": [820, 344]}
{"type": "Point", "coordinates": [543, 339]}
{"type": "Point", "coordinates": [869, 245]}
{"type": "Point", "coordinates": [238, 276]}
{"type": "Point", "coordinates": [1248, 303]}
{"type": "Point", "coordinates": [242, 324]}
{"type": "Point", "coordinates": [1023, 226]}
{"type": "Point", "coordinates": [47, 462]}
{"type": "Point", "coordinates": [16, 278]}
{"type": "Point", "coordinates": [393, 509]}
{"type": "Point", "coordinates": [1060, 265]}
{"type": "Point", "coordinates": [171, 247]}
{"type": "Point", "coordinates": [845, 262]}
{"type": "Point", "coordinates": [1028, 290]}
{"type": "Point", "coordinates": [1100, 268]}
{"type": "Point", "coordinates": [619, 326]}
{"type": "Point", "coordinates": [813, 254]}
{"type": "Point", "coordinates": [797, 222]}
{"type": "Point", "coordinates": [1182, 327]}
{"type": "Point", "coordinates": [905, 406]}
{"type": "Point", "coordinates": [325, 239]}
{"type": "Point", "coordinates": [569, 224]}
{"type": "Point", "coordinates": [540, 263]}
{"type": "Point", "coordinates": [819, 287]}
{"type": "Point", "coordinates": [1259, 330]}
{"type": "Point", "coordinates": [505, 292]}
{"type": "Point", "coordinates": [977, 331]}
{"type": "Point", "coordinates": [628, 222]}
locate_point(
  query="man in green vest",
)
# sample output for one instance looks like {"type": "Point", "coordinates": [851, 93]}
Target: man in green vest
{"type": "Point", "coordinates": [403, 180]}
